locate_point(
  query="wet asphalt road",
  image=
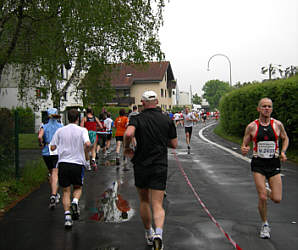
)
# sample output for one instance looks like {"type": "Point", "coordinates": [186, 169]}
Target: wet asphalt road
{"type": "Point", "coordinates": [208, 176]}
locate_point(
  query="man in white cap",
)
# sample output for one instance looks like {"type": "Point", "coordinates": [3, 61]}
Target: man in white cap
{"type": "Point", "coordinates": [50, 158]}
{"type": "Point", "coordinates": [154, 132]}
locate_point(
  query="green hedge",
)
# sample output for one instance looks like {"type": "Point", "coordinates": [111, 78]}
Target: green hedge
{"type": "Point", "coordinates": [238, 107]}
{"type": "Point", "coordinates": [26, 120]}
{"type": "Point", "coordinates": [6, 137]}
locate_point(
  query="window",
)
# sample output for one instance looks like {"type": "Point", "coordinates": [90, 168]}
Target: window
{"type": "Point", "coordinates": [126, 92]}
{"type": "Point", "coordinates": [170, 94]}
{"type": "Point", "coordinates": [41, 93]}
{"type": "Point", "coordinates": [161, 92]}
{"type": "Point", "coordinates": [165, 93]}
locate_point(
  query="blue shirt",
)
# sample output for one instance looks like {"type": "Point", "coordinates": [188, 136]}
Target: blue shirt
{"type": "Point", "coordinates": [49, 131]}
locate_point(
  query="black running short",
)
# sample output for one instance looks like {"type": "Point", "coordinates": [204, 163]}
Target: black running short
{"type": "Point", "coordinates": [50, 161]}
{"type": "Point", "coordinates": [266, 167]}
{"type": "Point", "coordinates": [154, 180]}
{"type": "Point", "coordinates": [70, 174]}
{"type": "Point", "coordinates": [119, 138]}
{"type": "Point", "coordinates": [102, 140]}
{"type": "Point", "coordinates": [188, 130]}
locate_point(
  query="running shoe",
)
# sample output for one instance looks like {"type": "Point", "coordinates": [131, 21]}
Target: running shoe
{"type": "Point", "coordinates": [157, 242]}
{"type": "Point", "coordinates": [93, 165]}
{"type": "Point", "coordinates": [75, 211]}
{"type": "Point", "coordinates": [188, 149]}
{"type": "Point", "coordinates": [68, 221]}
{"type": "Point", "coordinates": [265, 231]}
{"type": "Point", "coordinates": [57, 198]}
{"type": "Point", "coordinates": [87, 166]}
{"type": "Point", "coordinates": [117, 161]}
{"type": "Point", "coordinates": [149, 239]}
{"type": "Point", "coordinates": [52, 204]}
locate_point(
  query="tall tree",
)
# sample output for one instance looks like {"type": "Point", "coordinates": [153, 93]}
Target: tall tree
{"type": "Point", "coordinates": [196, 99]}
{"type": "Point", "coordinates": [214, 90]}
{"type": "Point", "coordinates": [47, 36]}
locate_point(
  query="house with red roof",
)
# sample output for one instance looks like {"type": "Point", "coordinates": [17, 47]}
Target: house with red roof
{"type": "Point", "coordinates": [130, 81]}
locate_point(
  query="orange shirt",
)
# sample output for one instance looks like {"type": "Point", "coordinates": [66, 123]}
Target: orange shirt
{"type": "Point", "coordinates": [120, 125]}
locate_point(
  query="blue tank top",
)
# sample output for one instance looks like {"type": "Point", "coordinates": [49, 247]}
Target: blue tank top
{"type": "Point", "coordinates": [49, 131]}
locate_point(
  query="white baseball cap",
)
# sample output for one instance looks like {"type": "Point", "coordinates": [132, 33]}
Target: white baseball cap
{"type": "Point", "coordinates": [149, 96]}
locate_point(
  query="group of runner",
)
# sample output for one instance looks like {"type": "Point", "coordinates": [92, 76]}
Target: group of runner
{"type": "Point", "coordinates": [145, 137]}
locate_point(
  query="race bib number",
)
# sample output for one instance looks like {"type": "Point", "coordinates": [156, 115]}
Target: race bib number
{"type": "Point", "coordinates": [55, 152]}
{"type": "Point", "coordinates": [266, 149]}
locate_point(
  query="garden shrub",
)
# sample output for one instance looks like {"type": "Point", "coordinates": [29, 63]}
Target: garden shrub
{"type": "Point", "coordinates": [238, 107]}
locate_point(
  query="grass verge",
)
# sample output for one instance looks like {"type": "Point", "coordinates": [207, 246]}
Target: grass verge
{"type": "Point", "coordinates": [292, 154]}
{"type": "Point", "coordinates": [28, 141]}
{"type": "Point", "coordinates": [12, 190]}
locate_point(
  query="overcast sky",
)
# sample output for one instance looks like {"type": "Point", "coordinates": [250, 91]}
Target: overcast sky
{"type": "Point", "coordinates": [251, 33]}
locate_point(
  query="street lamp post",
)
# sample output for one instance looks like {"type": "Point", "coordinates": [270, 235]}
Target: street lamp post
{"type": "Point", "coordinates": [229, 65]}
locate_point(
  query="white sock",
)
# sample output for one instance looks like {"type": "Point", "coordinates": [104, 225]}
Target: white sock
{"type": "Point", "coordinates": [265, 223]}
{"type": "Point", "coordinates": [67, 215]}
{"type": "Point", "coordinates": [158, 230]}
{"type": "Point", "coordinates": [149, 231]}
{"type": "Point", "coordinates": [75, 200]}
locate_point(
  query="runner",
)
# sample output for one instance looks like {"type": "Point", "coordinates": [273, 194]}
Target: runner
{"type": "Point", "coordinates": [134, 111]}
{"type": "Point", "coordinates": [120, 125]}
{"type": "Point", "coordinates": [91, 122]}
{"type": "Point", "coordinates": [101, 136]}
{"type": "Point", "coordinates": [45, 135]}
{"type": "Point", "coordinates": [71, 141]}
{"type": "Point", "coordinates": [177, 119]}
{"type": "Point", "coordinates": [204, 117]}
{"type": "Point", "coordinates": [189, 119]}
{"type": "Point", "coordinates": [153, 132]}
{"type": "Point", "coordinates": [108, 122]}
{"type": "Point", "coordinates": [265, 133]}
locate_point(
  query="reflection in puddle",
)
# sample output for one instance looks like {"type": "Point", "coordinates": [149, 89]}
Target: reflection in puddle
{"type": "Point", "coordinates": [112, 207]}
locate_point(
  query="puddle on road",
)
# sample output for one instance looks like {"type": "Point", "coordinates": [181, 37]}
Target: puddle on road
{"type": "Point", "coordinates": [112, 207]}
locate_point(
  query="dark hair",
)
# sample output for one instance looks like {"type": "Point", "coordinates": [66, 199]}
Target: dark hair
{"type": "Point", "coordinates": [72, 115]}
{"type": "Point", "coordinates": [108, 114]}
{"type": "Point", "coordinates": [134, 107]}
{"type": "Point", "coordinates": [122, 112]}
{"type": "Point", "coordinates": [89, 110]}
{"type": "Point", "coordinates": [102, 116]}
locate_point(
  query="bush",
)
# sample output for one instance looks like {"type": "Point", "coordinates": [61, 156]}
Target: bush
{"type": "Point", "coordinates": [238, 107]}
{"type": "Point", "coordinates": [11, 189]}
{"type": "Point", "coordinates": [26, 119]}
{"type": "Point", "coordinates": [6, 137]}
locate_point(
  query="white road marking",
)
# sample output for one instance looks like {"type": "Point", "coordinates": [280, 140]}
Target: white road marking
{"type": "Point", "coordinates": [221, 147]}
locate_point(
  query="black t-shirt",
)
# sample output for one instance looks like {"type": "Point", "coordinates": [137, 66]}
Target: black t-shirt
{"type": "Point", "coordinates": [153, 132]}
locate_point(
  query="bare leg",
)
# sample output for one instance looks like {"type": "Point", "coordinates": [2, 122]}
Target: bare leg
{"type": "Point", "coordinates": [54, 181]}
{"type": "Point", "coordinates": [157, 207]}
{"type": "Point", "coordinates": [262, 194]}
{"type": "Point", "coordinates": [145, 209]}
{"type": "Point", "coordinates": [275, 184]}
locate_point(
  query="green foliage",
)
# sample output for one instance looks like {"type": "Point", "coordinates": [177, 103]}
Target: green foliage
{"type": "Point", "coordinates": [213, 91]}
{"type": "Point", "coordinates": [28, 141]}
{"type": "Point", "coordinates": [238, 107]}
{"type": "Point", "coordinates": [46, 37]}
{"type": "Point", "coordinates": [26, 119]}
{"type": "Point", "coordinates": [6, 137]}
{"type": "Point", "coordinates": [96, 86]}
{"type": "Point", "coordinates": [196, 99]}
{"type": "Point", "coordinates": [32, 175]}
